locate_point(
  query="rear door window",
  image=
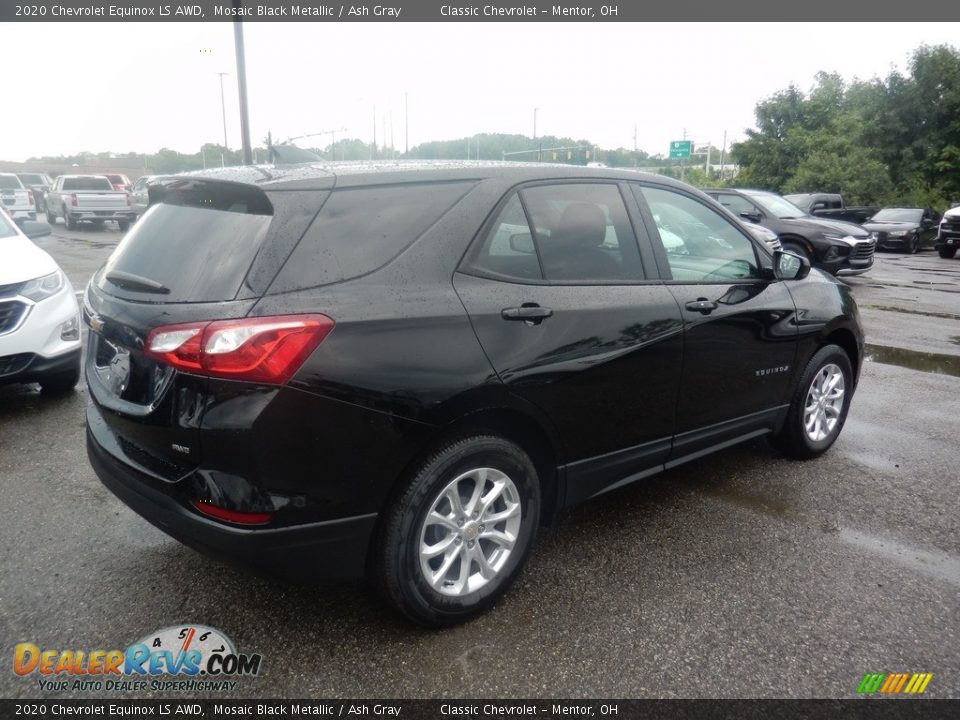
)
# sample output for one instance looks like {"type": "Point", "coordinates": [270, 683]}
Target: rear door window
{"type": "Point", "coordinates": [561, 233]}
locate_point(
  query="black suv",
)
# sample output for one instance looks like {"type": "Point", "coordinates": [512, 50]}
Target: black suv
{"type": "Point", "coordinates": [835, 246]}
{"type": "Point", "coordinates": [402, 371]}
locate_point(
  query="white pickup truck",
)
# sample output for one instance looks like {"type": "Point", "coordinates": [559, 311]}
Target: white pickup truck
{"type": "Point", "coordinates": [88, 198]}
{"type": "Point", "coordinates": [16, 199]}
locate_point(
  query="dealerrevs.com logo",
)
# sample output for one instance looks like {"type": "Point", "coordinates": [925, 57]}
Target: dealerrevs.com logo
{"type": "Point", "coordinates": [896, 683]}
{"type": "Point", "coordinates": [202, 658]}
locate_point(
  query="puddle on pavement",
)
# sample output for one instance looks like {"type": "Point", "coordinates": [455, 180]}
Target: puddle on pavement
{"type": "Point", "coordinates": [908, 311]}
{"type": "Point", "coordinates": [914, 360]}
{"type": "Point", "coordinates": [935, 564]}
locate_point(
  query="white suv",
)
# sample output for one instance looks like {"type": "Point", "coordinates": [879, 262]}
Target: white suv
{"type": "Point", "coordinates": [39, 317]}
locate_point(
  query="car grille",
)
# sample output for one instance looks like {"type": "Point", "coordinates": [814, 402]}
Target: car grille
{"type": "Point", "coordinates": [12, 289]}
{"type": "Point", "coordinates": [953, 227]}
{"type": "Point", "coordinates": [11, 313]}
{"type": "Point", "coordinates": [863, 251]}
{"type": "Point", "coordinates": [881, 236]}
{"type": "Point", "coordinates": [12, 364]}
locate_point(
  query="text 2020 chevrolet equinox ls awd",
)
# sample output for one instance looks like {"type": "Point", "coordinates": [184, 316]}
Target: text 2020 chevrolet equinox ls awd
{"type": "Point", "coordinates": [401, 371]}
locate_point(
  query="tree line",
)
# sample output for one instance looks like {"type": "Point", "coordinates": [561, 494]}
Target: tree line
{"type": "Point", "coordinates": [889, 141]}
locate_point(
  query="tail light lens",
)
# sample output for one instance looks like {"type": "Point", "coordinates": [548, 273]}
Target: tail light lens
{"type": "Point", "coordinates": [73, 199]}
{"type": "Point", "coordinates": [265, 349]}
{"type": "Point", "coordinates": [233, 516]}
{"type": "Point", "coordinates": [30, 200]}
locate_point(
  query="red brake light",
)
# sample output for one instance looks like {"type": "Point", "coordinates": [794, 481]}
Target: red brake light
{"type": "Point", "coordinates": [30, 197]}
{"type": "Point", "coordinates": [265, 349]}
{"type": "Point", "coordinates": [234, 516]}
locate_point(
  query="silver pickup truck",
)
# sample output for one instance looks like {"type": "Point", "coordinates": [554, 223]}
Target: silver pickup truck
{"type": "Point", "coordinates": [16, 199]}
{"type": "Point", "coordinates": [88, 198]}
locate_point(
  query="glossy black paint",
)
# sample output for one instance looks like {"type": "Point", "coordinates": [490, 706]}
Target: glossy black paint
{"type": "Point", "coordinates": [618, 382]}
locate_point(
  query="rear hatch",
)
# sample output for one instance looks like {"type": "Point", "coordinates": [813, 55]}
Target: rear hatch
{"type": "Point", "coordinates": [195, 256]}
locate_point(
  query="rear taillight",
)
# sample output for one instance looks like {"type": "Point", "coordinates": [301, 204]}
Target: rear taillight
{"type": "Point", "coordinates": [73, 199]}
{"type": "Point", "coordinates": [233, 516]}
{"type": "Point", "coordinates": [265, 349]}
{"type": "Point", "coordinates": [30, 199]}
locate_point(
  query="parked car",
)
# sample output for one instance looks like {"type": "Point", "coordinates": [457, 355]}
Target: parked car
{"type": "Point", "coordinates": [16, 199]}
{"type": "Point", "coordinates": [139, 198]}
{"type": "Point", "coordinates": [39, 183]}
{"type": "Point", "coordinates": [119, 182]}
{"type": "Point", "coordinates": [404, 370]}
{"type": "Point", "coordinates": [948, 234]}
{"type": "Point", "coordinates": [832, 207]}
{"type": "Point", "coordinates": [906, 229]}
{"type": "Point", "coordinates": [88, 198]}
{"type": "Point", "coordinates": [839, 248]}
{"type": "Point", "coordinates": [39, 316]}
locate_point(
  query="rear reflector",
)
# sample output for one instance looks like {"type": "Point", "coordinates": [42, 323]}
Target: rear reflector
{"type": "Point", "coordinates": [233, 516]}
{"type": "Point", "coordinates": [264, 349]}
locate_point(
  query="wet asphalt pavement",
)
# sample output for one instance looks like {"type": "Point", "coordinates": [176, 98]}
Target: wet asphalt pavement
{"type": "Point", "coordinates": [740, 575]}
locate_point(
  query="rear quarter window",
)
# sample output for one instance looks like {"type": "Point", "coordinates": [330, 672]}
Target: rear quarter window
{"type": "Point", "coordinates": [359, 230]}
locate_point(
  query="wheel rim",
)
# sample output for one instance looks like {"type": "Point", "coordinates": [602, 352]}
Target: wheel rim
{"type": "Point", "coordinates": [821, 412]}
{"type": "Point", "coordinates": [470, 531]}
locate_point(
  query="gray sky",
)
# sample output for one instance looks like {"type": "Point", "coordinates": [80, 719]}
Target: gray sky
{"type": "Point", "coordinates": [142, 86]}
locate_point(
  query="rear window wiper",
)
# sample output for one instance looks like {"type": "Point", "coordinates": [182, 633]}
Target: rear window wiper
{"type": "Point", "coordinates": [128, 281]}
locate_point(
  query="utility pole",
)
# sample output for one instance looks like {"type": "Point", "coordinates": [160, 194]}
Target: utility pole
{"type": "Point", "coordinates": [723, 152]}
{"type": "Point", "coordinates": [682, 164]}
{"type": "Point", "coordinates": [373, 148]}
{"type": "Point", "coordinates": [635, 160]}
{"type": "Point", "coordinates": [242, 86]}
{"type": "Point", "coordinates": [406, 123]}
{"type": "Point", "coordinates": [223, 107]}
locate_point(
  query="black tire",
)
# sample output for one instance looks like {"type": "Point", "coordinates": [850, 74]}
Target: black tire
{"type": "Point", "coordinates": [915, 245]}
{"type": "Point", "coordinates": [124, 225]}
{"type": "Point", "coordinates": [51, 217]}
{"type": "Point", "coordinates": [947, 251]}
{"type": "Point", "coordinates": [794, 439]}
{"type": "Point", "coordinates": [68, 220]}
{"type": "Point", "coordinates": [396, 564]}
{"type": "Point", "coordinates": [62, 382]}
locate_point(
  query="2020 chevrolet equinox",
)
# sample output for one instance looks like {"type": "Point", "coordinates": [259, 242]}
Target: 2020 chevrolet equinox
{"type": "Point", "coordinates": [401, 371]}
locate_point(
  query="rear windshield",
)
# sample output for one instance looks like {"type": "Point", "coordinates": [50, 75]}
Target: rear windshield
{"type": "Point", "coordinates": [362, 229]}
{"type": "Point", "coordinates": [117, 179]}
{"type": "Point", "coordinates": [32, 179]}
{"type": "Point", "coordinates": [10, 182]}
{"type": "Point", "coordinates": [87, 183]}
{"type": "Point", "coordinates": [184, 253]}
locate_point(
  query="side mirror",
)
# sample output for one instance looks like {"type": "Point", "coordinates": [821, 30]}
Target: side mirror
{"type": "Point", "coordinates": [750, 215]}
{"type": "Point", "coordinates": [522, 243]}
{"type": "Point", "coordinates": [34, 229]}
{"type": "Point", "coordinates": [789, 266]}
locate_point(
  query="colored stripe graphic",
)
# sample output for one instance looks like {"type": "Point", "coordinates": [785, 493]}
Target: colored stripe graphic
{"type": "Point", "coordinates": [894, 683]}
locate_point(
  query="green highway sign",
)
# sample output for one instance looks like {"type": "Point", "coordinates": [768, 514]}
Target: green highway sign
{"type": "Point", "coordinates": [681, 148]}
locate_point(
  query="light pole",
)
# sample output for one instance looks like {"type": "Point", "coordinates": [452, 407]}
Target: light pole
{"type": "Point", "coordinates": [535, 123]}
{"type": "Point", "coordinates": [223, 108]}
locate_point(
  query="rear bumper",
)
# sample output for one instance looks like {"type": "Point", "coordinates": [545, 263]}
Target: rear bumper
{"type": "Point", "coordinates": [329, 551]}
{"type": "Point", "coordinates": [126, 214]}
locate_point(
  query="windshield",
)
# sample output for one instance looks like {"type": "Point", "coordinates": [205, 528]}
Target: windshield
{"type": "Point", "coordinates": [776, 205]}
{"type": "Point", "coordinates": [898, 215]}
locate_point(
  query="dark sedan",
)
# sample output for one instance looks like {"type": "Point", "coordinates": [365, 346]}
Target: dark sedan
{"type": "Point", "coordinates": [904, 229]}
